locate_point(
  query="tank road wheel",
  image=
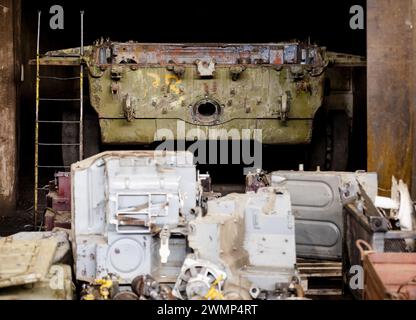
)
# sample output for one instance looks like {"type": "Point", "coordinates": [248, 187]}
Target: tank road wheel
{"type": "Point", "coordinates": [330, 141]}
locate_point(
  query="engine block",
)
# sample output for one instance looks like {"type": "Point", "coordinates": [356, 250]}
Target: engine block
{"type": "Point", "coordinates": [121, 201]}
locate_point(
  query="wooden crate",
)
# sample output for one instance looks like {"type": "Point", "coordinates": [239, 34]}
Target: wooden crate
{"type": "Point", "coordinates": [390, 276]}
{"type": "Point", "coordinates": [327, 273]}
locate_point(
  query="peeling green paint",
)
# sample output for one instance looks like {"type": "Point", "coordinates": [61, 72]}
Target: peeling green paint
{"type": "Point", "coordinates": [137, 89]}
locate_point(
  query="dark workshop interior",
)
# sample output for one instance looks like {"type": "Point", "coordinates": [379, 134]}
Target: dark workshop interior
{"type": "Point", "coordinates": [309, 23]}
{"type": "Point", "coordinates": [339, 162]}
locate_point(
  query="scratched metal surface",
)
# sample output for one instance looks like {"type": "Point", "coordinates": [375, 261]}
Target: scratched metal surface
{"type": "Point", "coordinates": [139, 88]}
{"type": "Point", "coordinates": [268, 75]}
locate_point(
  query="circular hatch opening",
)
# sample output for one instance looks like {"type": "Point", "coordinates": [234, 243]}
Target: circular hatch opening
{"type": "Point", "coordinates": [206, 110]}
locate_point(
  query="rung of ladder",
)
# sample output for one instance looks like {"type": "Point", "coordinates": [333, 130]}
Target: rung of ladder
{"type": "Point", "coordinates": [53, 167]}
{"type": "Point", "coordinates": [58, 144]}
{"type": "Point", "coordinates": [65, 56]}
{"type": "Point", "coordinates": [58, 121]}
{"type": "Point", "coordinates": [59, 78]}
{"type": "Point", "coordinates": [56, 99]}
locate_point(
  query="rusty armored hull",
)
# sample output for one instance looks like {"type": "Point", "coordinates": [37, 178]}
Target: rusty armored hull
{"type": "Point", "coordinates": [144, 92]}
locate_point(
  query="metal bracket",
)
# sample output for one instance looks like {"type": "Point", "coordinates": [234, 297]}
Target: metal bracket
{"type": "Point", "coordinates": [205, 69]}
{"type": "Point", "coordinates": [116, 73]}
{"type": "Point", "coordinates": [236, 71]}
{"type": "Point", "coordinates": [284, 107]}
{"type": "Point", "coordinates": [179, 71]}
{"type": "Point", "coordinates": [129, 108]}
{"type": "Point", "coordinates": [164, 244]}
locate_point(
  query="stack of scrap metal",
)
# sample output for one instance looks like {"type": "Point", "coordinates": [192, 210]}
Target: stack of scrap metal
{"type": "Point", "coordinates": [384, 225]}
{"type": "Point", "coordinates": [58, 201]}
{"type": "Point", "coordinates": [390, 276]}
{"type": "Point", "coordinates": [32, 267]}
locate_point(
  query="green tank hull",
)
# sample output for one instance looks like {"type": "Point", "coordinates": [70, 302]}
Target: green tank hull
{"type": "Point", "coordinates": [145, 93]}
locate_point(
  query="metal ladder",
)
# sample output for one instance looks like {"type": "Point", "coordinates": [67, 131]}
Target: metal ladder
{"type": "Point", "coordinates": [38, 122]}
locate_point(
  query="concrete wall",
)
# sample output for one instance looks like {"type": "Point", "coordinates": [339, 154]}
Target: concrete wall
{"type": "Point", "coordinates": [391, 56]}
{"type": "Point", "coordinates": [7, 106]}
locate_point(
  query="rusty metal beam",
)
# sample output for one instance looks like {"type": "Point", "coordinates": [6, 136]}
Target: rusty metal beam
{"type": "Point", "coordinates": [7, 107]}
{"type": "Point", "coordinates": [413, 97]}
{"type": "Point", "coordinates": [391, 62]}
{"type": "Point", "coordinates": [57, 61]}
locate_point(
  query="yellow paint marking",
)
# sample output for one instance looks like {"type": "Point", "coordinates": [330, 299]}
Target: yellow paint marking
{"type": "Point", "coordinates": [156, 81]}
{"type": "Point", "coordinates": [173, 81]}
{"type": "Point", "coordinates": [178, 103]}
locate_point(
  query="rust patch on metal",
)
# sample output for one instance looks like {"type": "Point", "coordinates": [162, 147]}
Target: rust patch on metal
{"type": "Point", "coordinates": [7, 111]}
{"type": "Point", "coordinates": [390, 276]}
{"type": "Point", "coordinates": [390, 90]}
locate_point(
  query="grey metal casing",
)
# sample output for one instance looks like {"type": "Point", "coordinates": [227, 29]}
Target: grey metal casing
{"type": "Point", "coordinates": [317, 204]}
{"type": "Point", "coordinates": [251, 236]}
{"type": "Point", "coordinates": [115, 188]}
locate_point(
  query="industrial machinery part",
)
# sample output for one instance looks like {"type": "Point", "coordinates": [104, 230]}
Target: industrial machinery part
{"type": "Point", "coordinates": [126, 295]}
{"type": "Point", "coordinates": [146, 287]}
{"type": "Point", "coordinates": [199, 280]}
{"type": "Point", "coordinates": [59, 196]}
{"type": "Point", "coordinates": [250, 237]}
{"type": "Point", "coordinates": [35, 266]}
{"type": "Point", "coordinates": [57, 219]}
{"type": "Point", "coordinates": [405, 211]}
{"type": "Point", "coordinates": [256, 180]}
{"type": "Point", "coordinates": [143, 288]}
{"type": "Point", "coordinates": [365, 222]}
{"type": "Point", "coordinates": [101, 289]}
{"type": "Point", "coordinates": [132, 211]}
{"type": "Point", "coordinates": [25, 261]}
{"type": "Point", "coordinates": [121, 202]}
{"type": "Point", "coordinates": [58, 202]}
{"type": "Point", "coordinates": [62, 253]}
{"type": "Point", "coordinates": [205, 185]}
{"type": "Point", "coordinates": [318, 199]}
{"type": "Point", "coordinates": [138, 88]}
{"type": "Point", "coordinates": [56, 285]}
{"type": "Point", "coordinates": [145, 217]}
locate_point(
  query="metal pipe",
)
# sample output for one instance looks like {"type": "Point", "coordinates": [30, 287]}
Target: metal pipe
{"type": "Point", "coordinates": [81, 92]}
{"type": "Point", "coordinates": [35, 206]}
{"type": "Point", "coordinates": [82, 34]}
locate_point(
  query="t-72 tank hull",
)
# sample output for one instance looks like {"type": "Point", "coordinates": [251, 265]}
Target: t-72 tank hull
{"type": "Point", "coordinates": [145, 93]}
{"type": "Point", "coordinates": [140, 90]}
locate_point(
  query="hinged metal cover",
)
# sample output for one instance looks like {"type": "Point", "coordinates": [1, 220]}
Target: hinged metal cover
{"type": "Point", "coordinates": [25, 262]}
